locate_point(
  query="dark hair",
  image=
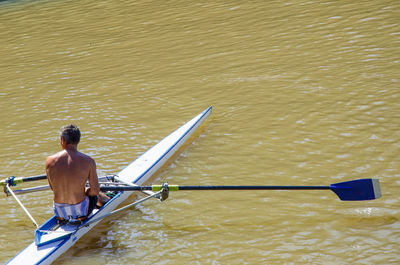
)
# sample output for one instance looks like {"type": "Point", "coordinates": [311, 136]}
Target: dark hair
{"type": "Point", "coordinates": [70, 134]}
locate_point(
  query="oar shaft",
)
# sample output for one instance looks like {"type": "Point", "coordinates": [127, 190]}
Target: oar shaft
{"type": "Point", "coordinates": [34, 178]}
{"type": "Point", "coordinates": [177, 187]}
{"type": "Point", "coordinates": [147, 192]}
{"type": "Point", "coordinates": [12, 181]}
{"type": "Point", "coordinates": [354, 190]}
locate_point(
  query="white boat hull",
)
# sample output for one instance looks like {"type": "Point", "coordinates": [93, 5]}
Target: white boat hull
{"type": "Point", "coordinates": [137, 173]}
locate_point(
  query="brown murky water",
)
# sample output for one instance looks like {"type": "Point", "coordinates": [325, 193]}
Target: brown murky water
{"type": "Point", "coordinates": [304, 93]}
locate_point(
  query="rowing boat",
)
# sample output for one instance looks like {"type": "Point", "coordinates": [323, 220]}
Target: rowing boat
{"type": "Point", "coordinates": [52, 239]}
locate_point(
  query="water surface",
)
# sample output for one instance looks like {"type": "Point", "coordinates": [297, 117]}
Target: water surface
{"type": "Point", "coordinates": [304, 93]}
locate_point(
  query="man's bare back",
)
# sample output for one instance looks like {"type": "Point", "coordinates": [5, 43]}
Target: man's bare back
{"type": "Point", "coordinates": [69, 170]}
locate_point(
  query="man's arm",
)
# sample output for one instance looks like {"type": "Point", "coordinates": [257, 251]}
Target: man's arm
{"type": "Point", "coordinates": [47, 163]}
{"type": "Point", "coordinates": [93, 180]}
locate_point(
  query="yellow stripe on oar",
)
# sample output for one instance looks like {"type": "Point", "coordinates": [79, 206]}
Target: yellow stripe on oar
{"type": "Point", "coordinates": [170, 187]}
{"type": "Point", "coordinates": [11, 181]}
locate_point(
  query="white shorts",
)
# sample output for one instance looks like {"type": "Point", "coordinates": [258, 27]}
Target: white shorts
{"type": "Point", "coordinates": [71, 211]}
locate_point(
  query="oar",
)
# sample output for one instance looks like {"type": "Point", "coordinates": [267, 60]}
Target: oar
{"type": "Point", "coordinates": [355, 190]}
{"type": "Point", "coordinates": [12, 181]}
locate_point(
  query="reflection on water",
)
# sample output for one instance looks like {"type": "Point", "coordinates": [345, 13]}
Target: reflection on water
{"type": "Point", "coordinates": [303, 94]}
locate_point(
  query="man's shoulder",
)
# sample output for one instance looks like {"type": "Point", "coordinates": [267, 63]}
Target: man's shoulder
{"type": "Point", "coordinates": [86, 157]}
{"type": "Point", "coordinates": [53, 157]}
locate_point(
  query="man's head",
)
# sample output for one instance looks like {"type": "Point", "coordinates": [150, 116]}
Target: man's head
{"type": "Point", "coordinates": [70, 134]}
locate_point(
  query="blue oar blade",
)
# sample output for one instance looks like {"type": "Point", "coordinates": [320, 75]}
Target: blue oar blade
{"type": "Point", "coordinates": [357, 190]}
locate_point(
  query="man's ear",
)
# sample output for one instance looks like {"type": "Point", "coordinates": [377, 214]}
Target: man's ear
{"type": "Point", "coordinates": [62, 142]}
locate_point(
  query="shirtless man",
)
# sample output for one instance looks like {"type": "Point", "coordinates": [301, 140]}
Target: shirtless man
{"type": "Point", "coordinates": [67, 172]}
